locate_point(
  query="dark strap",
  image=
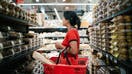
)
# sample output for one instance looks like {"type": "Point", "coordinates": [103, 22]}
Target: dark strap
{"type": "Point", "coordinates": [60, 55]}
{"type": "Point", "coordinates": [65, 55]}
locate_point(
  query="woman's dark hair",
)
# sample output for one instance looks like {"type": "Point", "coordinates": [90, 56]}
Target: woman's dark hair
{"type": "Point", "coordinates": [73, 18]}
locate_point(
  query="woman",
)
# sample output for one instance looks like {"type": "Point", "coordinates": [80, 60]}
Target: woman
{"type": "Point", "coordinates": [72, 40]}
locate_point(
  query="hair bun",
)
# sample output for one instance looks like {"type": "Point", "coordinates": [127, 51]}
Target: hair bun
{"type": "Point", "coordinates": [73, 18]}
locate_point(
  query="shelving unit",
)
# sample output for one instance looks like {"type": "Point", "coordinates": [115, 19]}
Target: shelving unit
{"type": "Point", "coordinates": [63, 37]}
{"type": "Point", "coordinates": [42, 29]}
{"type": "Point", "coordinates": [11, 62]}
{"type": "Point", "coordinates": [126, 65]}
{"type": "Point", "coordinates": [15, 21]}
{"type": "Point", "coordinates": [126, 11]}
{"type": "Point", "coordinates": [6, 62]}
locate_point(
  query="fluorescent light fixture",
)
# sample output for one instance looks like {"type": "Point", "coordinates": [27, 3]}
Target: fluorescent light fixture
{"type": "Point", "coordinates": [56, 12]}
{"type": "Point", "coordinates": [37, 0]}
{"type": "Point", "coordinates": [58, 4]}
{"type": "Point", "coordinates": [63, 0]}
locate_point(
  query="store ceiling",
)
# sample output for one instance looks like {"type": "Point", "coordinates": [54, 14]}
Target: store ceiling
{"type": "Point", "coordinates": [49, 9]}
{"type": "Point", "coordinates": [61, 8]}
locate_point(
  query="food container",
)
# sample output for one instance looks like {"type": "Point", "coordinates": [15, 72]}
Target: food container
{"type": "Point", "coordinates": [123, 55]}
{"type": "Point", "coordinates": [28, 40]}
{"type": "Point", "coordinates": [125, 26]}
{"type": "Point", "coordinates": [5, 9]}
{"type": "Point", "coordinates": [17, 12]}
{"type": "Point", "coordinates": [7, 44]}
{"type": "Point", "coordinates": [24, 47]}
{"type": "Point", "coordinates": [130, 52]}
{"type": "Point", "coordinates": [17, 49]}
{"type": "Point", "coordinates": [8, 52]}
{"type": "Point", "coordinates": [11, 9]}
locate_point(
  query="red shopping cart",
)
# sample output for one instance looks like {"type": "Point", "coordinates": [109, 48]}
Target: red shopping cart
{"type": "Point", "coordinates": [81, 68]}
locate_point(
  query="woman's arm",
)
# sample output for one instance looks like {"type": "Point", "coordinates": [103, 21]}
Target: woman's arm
{"type": "Point", "coordinates": [74, 48]}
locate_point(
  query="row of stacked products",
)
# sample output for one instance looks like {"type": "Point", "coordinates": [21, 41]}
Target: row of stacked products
{"type": "Point", "coordinates": [114, 37]}
{"type": "Point", "coordinates": [107, 8]}
{"type": "Point", "coordinates": [12, 42]}
{"type": "Point", "coordinates": [111, 37]}
{"type": "Point", "coordinates": [9, 9]}
{"type": "Point", "coordinates": [16, 44]}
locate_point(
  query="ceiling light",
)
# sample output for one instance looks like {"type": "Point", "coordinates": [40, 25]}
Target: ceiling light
{"type": "Point", "coordinates": [56, 12]}
{"type": "Point", "coordinates": [63, 0]}
{"type": "Point", "coordinates": [37, 0]}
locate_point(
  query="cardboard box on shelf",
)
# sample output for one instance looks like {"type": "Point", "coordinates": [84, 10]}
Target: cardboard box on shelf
{"type": "Point", "coordinates": [40, 18]}
{"type": "Point", "coordinates": [84, 24]}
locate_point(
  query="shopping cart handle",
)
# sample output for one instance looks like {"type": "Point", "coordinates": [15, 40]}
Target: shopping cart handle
{"type": "Point", "coordinates": [59, 56]}
{"type": "Point", "coordinates": [65, 55]}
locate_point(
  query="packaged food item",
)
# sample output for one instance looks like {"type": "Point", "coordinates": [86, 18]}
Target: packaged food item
{"type": "Point", "coordinates": [12, 35]}
{"type": "Point", "coordinates": [5, 9]}
{"type": "Point", "coordinates": [11, 10]}
{"type": "Point", "coordinates": [24, 47]}
{"type": "Point", "coordinates": [17, 49]}
{"type": "Point", "coordinates": [28, 40]}
{"type": "Point", "coordinates": [3, 36]}
{"type": "Point", "coordinates": [130, 53]}
{"type": "Point", "coordinates": [7, 52]}
{"type": "Point", "coordinates": [1, 56]}
{"type": "Point", "coordinates": [29, 35]}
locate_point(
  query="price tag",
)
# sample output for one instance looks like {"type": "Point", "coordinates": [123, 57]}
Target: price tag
{"type": "Point", "coordinates": [115, 61]}
{"type": "Point", "coordinates": [0, 6]}
{"type": "Point", "coordinates": [1, 46]}
{"type": "Point", "coordinates": [26, 47]}
{"type": "Point", "coordinates": [1, 36]}
{"type": "Point", "coordinates": [9, 28]}
{"type": "Point", "coordinates": [20, 35]}
{"type": "Point", "coordinates": [12, 42]}
{"type": "Point", "coordinates": [106, 55]}
{"type": "Point", "coordinates": [111, 57]}
{"type": "Point", "coordinates": [20, 42]}
{"type": "Point", "coordinates": [13, 52]}
{"type": "Point", "coordinates": [20, 49]}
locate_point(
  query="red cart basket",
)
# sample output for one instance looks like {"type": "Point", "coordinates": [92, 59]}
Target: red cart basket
{"type": "Point", "coordinates": [81, 68]}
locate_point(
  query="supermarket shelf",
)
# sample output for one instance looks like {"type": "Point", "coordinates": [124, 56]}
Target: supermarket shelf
{"type": "Point", "coordinates": [13, 60]}
{"type": "Point", "coordinates": [51, 37]}
{"type": "Point", "coordinates": [83, 36]}
{"type": "Point", "coordinates": [114, 15]}
{"type": "Point", "coordinates": [13, 46]}
{"type": "Point", "coordinates": [42, 29]}
{"type": "Point", "coordinates": [125, 64]}
{"type": "Point", "coordinates": [13, 20]}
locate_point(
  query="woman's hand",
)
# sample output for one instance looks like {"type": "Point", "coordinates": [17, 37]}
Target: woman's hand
{"type": "Point", "coordinates": [58, 45]}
